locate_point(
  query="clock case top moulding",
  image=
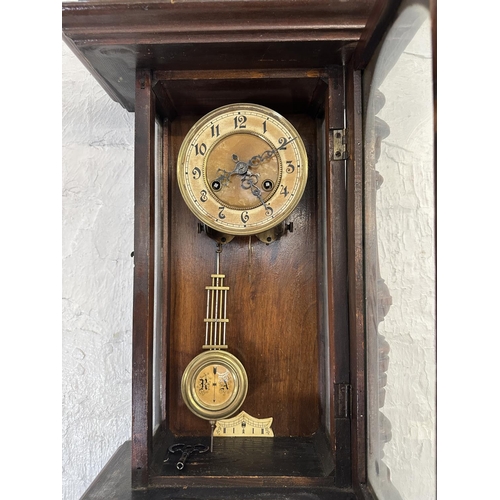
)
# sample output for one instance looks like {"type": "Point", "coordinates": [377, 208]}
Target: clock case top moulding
{"type": "Point", "coordinates": [172, 63]}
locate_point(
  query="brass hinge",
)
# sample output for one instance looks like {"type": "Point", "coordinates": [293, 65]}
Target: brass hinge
{"type": "Point", "coordinates": [339, 150]}
{"type": "Point", "coordinates": [343, 400]}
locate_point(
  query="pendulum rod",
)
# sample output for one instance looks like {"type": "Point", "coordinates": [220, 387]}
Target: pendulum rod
{"type": "Point", "coordinates": [212, 427]}
{"type": "Point", "coordinates": [215, 329]}
{"type": "Point", "coordinates": [215, 283]}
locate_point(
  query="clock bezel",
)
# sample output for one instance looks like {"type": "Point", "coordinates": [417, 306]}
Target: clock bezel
{"type": "Point", "coordinates": [264, 222]}
{"type": "Point", "coordinates": [240, 384]}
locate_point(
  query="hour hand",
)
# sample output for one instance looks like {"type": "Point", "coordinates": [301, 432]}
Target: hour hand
{"type": "Point", "coordinates": [240, 168]}
{"type": "Point", "coordinates": [223, 179]}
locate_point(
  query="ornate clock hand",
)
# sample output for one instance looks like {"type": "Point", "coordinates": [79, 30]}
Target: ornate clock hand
{"type": "Point", "coordinates": [248, 183]}
{"type": "Point", "coordinates": [256, 160]}
{"type": "Point", "coordinates": [241, 167]}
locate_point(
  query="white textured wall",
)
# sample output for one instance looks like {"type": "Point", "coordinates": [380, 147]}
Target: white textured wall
{"type": "Point", "coordinates": [406, 237]}
{"type": "Point", "coordinates": [97, 184]}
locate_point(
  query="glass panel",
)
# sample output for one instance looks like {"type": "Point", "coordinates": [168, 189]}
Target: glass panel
{"type": "Point", "coordinates": [400, 262]}
{"type": "Point", "coordinates": [158, 324]}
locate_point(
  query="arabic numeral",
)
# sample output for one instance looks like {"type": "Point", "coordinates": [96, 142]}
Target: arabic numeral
{"type": "Point", "coordinates": [264, 127]}
{"type": "Point", "coordinates": [239, 121]}
{"type": "Point", "coordinates": [200, 149]}
{"type": "Point", "coordinates": [196, 173]}
{"type": "Point", "coordinates": [282, 142]}
{"type": "Point", "coordinates": [284, 191]}
{"type": "Point", "coordinates": [245, 217]}
{"type": "Point", "coordinates": [290, 167]}
{"type": "Point", "coordinates": [221, 213]}
{"type": "Point", "coordinates": [215, 130]}
{"type": "Point", "coordinates": [269, 210]}
{"type": "Point", "coordinates": [203, 196]}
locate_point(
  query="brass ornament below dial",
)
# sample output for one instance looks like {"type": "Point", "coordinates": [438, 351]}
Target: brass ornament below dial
{"type": "Point", "coordinates": [214, 385]}
{"type": "Point", "coordinates": [242, 169]}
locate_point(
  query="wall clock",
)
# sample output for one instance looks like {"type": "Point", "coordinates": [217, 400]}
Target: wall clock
{"type": "Point", "coordinates": [243, 125]}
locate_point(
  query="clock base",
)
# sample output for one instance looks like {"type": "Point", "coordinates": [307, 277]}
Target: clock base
{"type": "Point", "coordinates": [242, 457]}
{"type": "Point", "coordinates": [114, 481]}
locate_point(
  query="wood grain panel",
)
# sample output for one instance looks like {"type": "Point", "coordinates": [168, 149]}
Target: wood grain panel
{"type": "Point", "coordinates": [336, 247]}
{"type": "Point", "coordinates": [356, 271]}
{"type": "Point", "coordinates": [240, 456]}
{"type": "Point", "coordinates": [272, 306]}
{"type": "Point", "coordinates": [286, 95]}
{"type": "Point", "coordinates": [144, 253]}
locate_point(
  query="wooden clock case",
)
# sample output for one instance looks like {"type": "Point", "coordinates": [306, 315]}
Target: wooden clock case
{"type": "Point", "coordinates": [296, 305]}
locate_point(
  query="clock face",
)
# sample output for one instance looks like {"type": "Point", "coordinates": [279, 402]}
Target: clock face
{"type": "Point", "coordinates": [242, 169]}
{"type": "Point", "coordinates": [214, 385]}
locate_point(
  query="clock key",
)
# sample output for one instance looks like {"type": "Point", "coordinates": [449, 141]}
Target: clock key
{"type": "Point", "coordinates": [187, 450]}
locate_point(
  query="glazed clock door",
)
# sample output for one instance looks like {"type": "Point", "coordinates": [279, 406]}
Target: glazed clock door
{"type": "Point", "coordinates": [399, 259]}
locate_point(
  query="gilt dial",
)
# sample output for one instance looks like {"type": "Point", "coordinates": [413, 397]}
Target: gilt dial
{"type": "Point", "coordinates": [242, 169]}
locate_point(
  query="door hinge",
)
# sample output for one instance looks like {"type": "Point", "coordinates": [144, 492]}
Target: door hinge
{"type": "Point", "coordinates": [343, 400]}
{"type": "Point", "coordinates": [338, 144]}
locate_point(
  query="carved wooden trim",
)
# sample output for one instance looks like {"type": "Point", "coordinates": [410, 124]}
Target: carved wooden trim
{"type": "Point", "coordinates": [199, 22]}
{"type": "Point", "coordinates": [113, 39]}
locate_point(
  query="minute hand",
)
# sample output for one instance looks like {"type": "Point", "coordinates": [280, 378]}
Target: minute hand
{"type": "Point", "coordinates": [255, 161]}
{"type": "Point", "coordinates": [241, 167]}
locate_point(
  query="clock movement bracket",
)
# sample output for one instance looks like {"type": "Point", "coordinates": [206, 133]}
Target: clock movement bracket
{"type": "Point", "coordinates": [221, 238]}
{"type": "Point", "coordinates": [275, 233]}
{"type": "Point", "coordinates": [267, 237]}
